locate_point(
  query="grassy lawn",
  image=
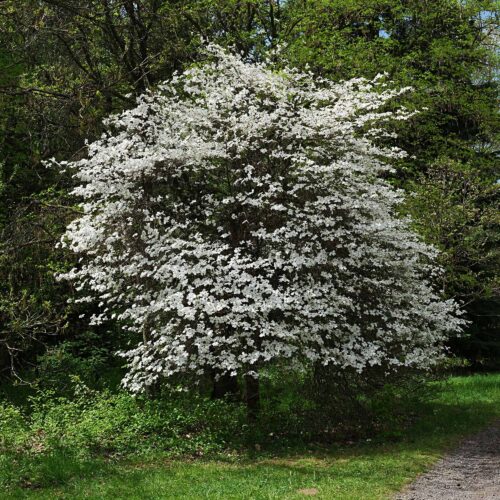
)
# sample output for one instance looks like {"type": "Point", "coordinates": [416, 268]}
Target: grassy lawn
{"type": "Point", "coordinates": [368, 470]}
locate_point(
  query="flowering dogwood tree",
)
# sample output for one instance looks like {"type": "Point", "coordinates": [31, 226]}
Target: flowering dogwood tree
{"type": "Point", "coordinates": [238, 216]}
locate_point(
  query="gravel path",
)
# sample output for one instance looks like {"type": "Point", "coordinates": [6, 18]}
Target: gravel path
{"type": "Point", "coordinates": [471, 472]}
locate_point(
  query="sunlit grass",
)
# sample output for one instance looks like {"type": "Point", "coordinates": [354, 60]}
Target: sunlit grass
{"type": "Point", "coordinates": [364, 470]}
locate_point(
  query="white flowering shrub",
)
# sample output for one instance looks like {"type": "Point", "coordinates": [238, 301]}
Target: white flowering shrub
{"type": "Point", "coordinates": [238, 216]}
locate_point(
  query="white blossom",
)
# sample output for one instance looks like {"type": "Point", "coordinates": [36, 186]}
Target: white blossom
{"type": "Point", "coordinates": [238, 216]}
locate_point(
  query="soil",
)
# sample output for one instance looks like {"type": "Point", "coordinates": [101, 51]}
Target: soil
{"type": "Point", "coordinates": [470, 472]}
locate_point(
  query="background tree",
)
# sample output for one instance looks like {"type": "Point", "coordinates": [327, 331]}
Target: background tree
{"type": "Point", "coordinates": [459, 210]}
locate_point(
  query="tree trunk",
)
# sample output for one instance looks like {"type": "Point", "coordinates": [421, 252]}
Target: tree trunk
{"type": "Point", "coordinates": [225, 386]}
{"type": "Point", "coordinates": [252, 396]}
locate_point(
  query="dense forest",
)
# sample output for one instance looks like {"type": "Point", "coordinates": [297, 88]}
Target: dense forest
{"type": "Point", "coordinates": [67, 65]}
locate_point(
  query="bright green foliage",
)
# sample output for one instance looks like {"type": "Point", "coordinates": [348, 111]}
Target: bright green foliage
{"type": "Point", "coordinates": [15, 432]}
{"type": "Point", "coordinates": [90, 422]}
{"type": "Point", "coordinates": [443, 49]}
{"type": "Point", "coordinates": [66, 414]}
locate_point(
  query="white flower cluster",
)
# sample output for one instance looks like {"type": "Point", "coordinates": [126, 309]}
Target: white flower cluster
{"type": "Point", "coordinates": [238, 216]}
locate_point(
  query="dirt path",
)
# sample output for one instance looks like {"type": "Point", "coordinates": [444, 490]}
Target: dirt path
{"type": "Point", "coordinates": [471, 472]}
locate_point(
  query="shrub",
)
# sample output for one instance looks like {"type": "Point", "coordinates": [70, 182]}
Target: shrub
{"type": "Point", "coordinates": [14, 431]}
{"type": "Point", "coordinates": [85, 356]}
{"type": "Point", "coordinates": [119, 423]}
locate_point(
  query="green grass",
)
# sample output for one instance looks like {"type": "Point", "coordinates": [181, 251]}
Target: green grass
{"type": "Point", "coordinates": [365, 470]}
